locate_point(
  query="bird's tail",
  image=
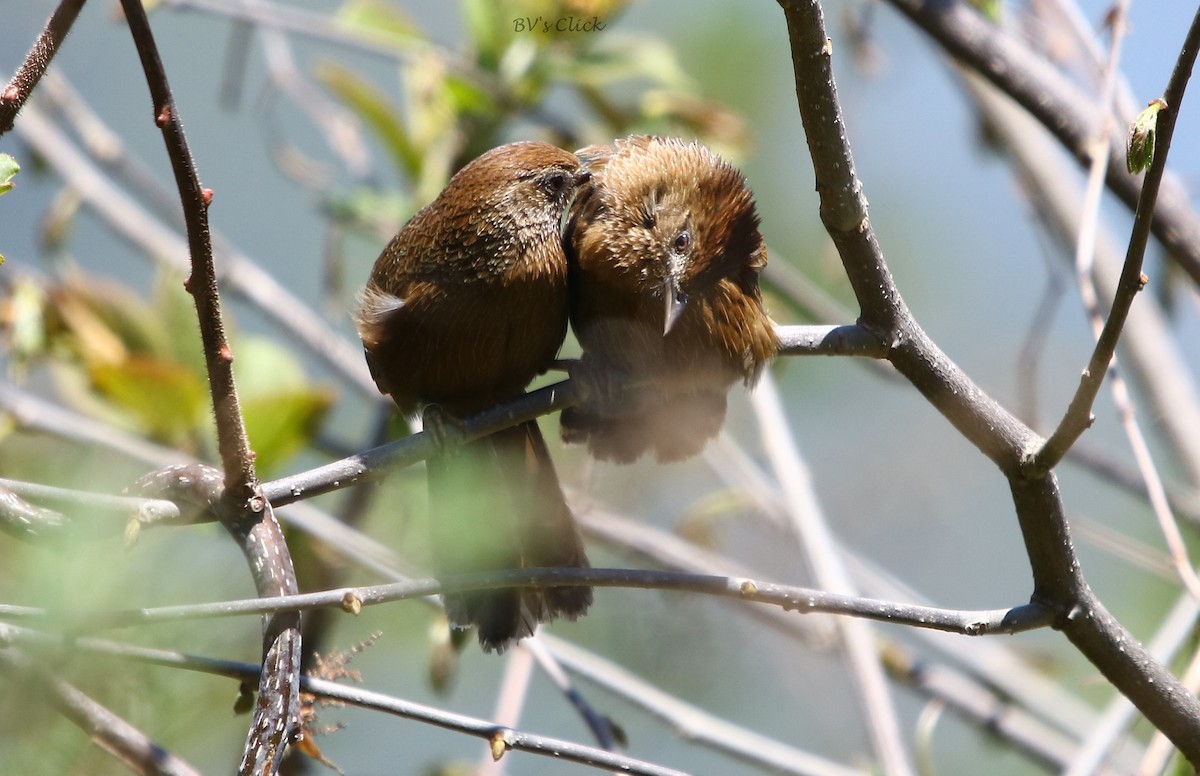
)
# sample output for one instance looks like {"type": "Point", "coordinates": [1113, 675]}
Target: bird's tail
{"type": "Point", "coordinates": [496, 503]}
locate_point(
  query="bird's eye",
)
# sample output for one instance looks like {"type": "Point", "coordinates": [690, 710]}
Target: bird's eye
{"type": "Point", "coordinates": [683, 241]}
{"type": "Point", "coordinates": [555, 183]}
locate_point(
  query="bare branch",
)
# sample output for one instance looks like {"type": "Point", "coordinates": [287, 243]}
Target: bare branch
{"type": "Point", "coordinates": [125, 742]}
{"type": "Point", "coordinates": [1078, 416]}
{"type": "Point", "coordinates": [1045, 92]}
{"type": "Point", "coordinates": [246, 672]}
{"type": "Point", "coordinates": [242, 509]}
{"type": "Point", "coordinates": [277, 712]}
{"type": "Point", "coordinates": [23, 520]}
{"type": "Point", "coordinates": [974, 701]}
{"type": "Point", "coordinates": [36, 62]}
{"type": "Point", "coordinates": [236, 456]}
{"type": "Point", "coordinates": [1058, 581]}
{"type": "Point", "coordinates": [801, 600]}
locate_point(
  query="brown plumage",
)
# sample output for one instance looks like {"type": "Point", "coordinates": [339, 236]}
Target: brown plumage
{"type": "Point", "coordinates": [665, 254]}
{"type": "Point", "coordinates": [464, 307]}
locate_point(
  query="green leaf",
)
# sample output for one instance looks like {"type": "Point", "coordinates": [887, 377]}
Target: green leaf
{"type": "Point", "coordinates": [176, 321]}
{"type": "Point", "coordinates": [282, 408]}
{"type": "Point", "coordinates": [167, 400]}
{"type": "Point", "coordinates": [282, 424]}
{"type": "Point", "coordinates": [1139, 148]}
{"type": "Point", "coordinates": [625, 58]}
{"type": "Point", "coordinates": [376, 17]}
{"type": "Point", "coordinates": [8, 170]}
{"type": "Point", "coordinates": [469, 97]}
{"type": "Point", "coordinates": [376, 112]}
{"type": "Point", "coordinates": [488, 29]}
{"type": "Point", "coordinates": [992, 9]}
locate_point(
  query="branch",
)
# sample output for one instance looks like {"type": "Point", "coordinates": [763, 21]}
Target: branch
{"type": "Point", "coordinates": [1058, 581]}
{"type": "Point", "coordinates": [977, 703]}
{"type": "Point", "coordinates": [852, 340]}
{"type": "Point", "coordinates": [276, 719]}
{"type": "Point", "coordinates": [36, 62]}
{"type": "Point", "coordinates": [20, 519]}
{"type": "Point", "coordinates": [242, 509]}
{"type": "Point", "coordinates": [801, 600]}
{"type": "Point", "coordinates": [1078, 416]}
{"type": "Point", "coordinates": [113, 734]}
{"type": "Point", "coordinates": [820, 554]}
{"type": "Point", "coordinates": [323, 688]}
{"type": "Point", "coordinates": [693, 723]}
{"type": "Point", "coordinates": [236, 457]}
{"type": "Point", "coordinates": [1044, 91]}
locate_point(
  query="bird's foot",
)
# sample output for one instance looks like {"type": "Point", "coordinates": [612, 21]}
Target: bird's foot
{"type": "Point", "coordinates": [441, 426]}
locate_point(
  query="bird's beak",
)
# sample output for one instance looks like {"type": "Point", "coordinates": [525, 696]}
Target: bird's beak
{"type": "Point", "coordinates": [676, 300]}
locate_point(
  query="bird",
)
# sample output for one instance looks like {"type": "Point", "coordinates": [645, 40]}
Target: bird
{"type": "Point", "coordinates": [462, 309]}
{"type": "Point", "coordinates": [664, 252]}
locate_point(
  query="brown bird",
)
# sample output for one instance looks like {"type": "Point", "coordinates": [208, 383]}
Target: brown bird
{"type": "Point", "coordinates": [665, 254]}
{"type": "Point", "coordinates": [464, 307]}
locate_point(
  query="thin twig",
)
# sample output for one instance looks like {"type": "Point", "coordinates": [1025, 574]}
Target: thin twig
{"type": "Point", "coordinates": [819, 549]}
{"type": "Point", "coordinates": [801, 600]}
{"type": "Point", "coordinates": [1085, 251]}
{"type": "Point", "coordinates": [30, 72]}
{"type": "Point", "coordinates": [851, 340]}
{"type": "Point", "coordinates": [113, 734]}
{"type": "Point", "coordinates": [693, 723]}
{"type": "Point", "coordinates": [324, 688]}
{"type": "Point", "coordinates": [510, 702]}
{"type": "Point", "coordinates": [1078, 416]}
{"type": "Point", "coordinates": [243, 510]}
{"type": "Point", "coordinates": [601, 726]}
{"type": "Point", "coordinates": [236, 456]}
{"type": "Point", "coordinates": [1043, 90]}
{"type": "Point", "coordinates": [1058, 580]}
{"type": "Point", "coordinates": [23, 520]}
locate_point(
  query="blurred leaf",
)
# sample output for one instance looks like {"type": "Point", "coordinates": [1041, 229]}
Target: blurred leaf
{"type": "Point", "coordinates": [82, 330]}
{"type": "Point", "coordinates": [8, 170]}
{"type": "Point", "coordinates": [435, 122]}
{"type": "Point", "coordinates": [488, 29]}
{"type": "Point", "coordinates": [107, 320]}
{"type": "Point", "coordinates": [166, 398]}
{"type": "Point", "coordinates": [175, 316]}
{"type": "Point", "coordinates": [25, 321]}
{"type": "Point", "coordinates": [518, 64]}
{"type": "Point", "coordinates": [469, 97]}
{"type": "Point", "coordinates": [282, 424]}
{"type": "Point", "coordinates": [282, 409]}
{"type": "Point", "coordinates": [265, 367]}
{"type": "Point", "coordinates": [59, 218]}
{"type": "Point", "coordinates": [376, 112]}
{"type": "Point", "coordinates": [992, 9]}
{"type": "Point", "coordinates": [713, 123]}
{"type": "Point", "coordinates": [624, 58]}
{"type": "Point", "coordinates": [700, 522]}
{"type": "Point", "coordinates": [371, 210]}
{"type": "Point", "coordinates": [376, 17]}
